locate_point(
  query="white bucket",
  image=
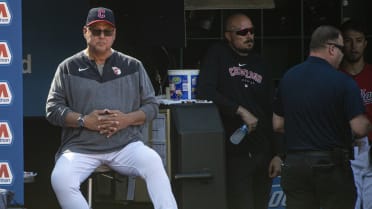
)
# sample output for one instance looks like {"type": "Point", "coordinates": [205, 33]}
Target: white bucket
{"type": "Point", "coordinates": [182, 84]}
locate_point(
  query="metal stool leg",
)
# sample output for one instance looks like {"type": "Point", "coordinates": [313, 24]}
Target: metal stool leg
{"type": "Point", "coordinates": [90, 192]}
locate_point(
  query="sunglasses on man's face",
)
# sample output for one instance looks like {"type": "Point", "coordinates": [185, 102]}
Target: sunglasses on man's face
{"type": "Point", "coordinates": [97, 32]}
{"type": "Point", "coordinates": [243, 32]}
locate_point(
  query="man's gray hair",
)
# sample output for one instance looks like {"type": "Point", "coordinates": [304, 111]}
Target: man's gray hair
{"type": "Point", "coordinates": [322, 35]}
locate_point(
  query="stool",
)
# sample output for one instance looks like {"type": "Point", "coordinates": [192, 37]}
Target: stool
{"type": "Point", "coordinates": [104, 170]}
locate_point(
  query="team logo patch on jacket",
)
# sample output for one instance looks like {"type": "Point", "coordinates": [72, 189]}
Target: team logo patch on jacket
{"type": "Point", "coordinates": [116, 70]}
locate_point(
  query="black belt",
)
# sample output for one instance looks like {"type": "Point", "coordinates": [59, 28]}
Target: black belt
{"type": "Point", "coordinates": [338, 156]}
{"type": "Point", "coordinates": [338, 152]}
{"type": "Point", "coordinates": [315, 153]}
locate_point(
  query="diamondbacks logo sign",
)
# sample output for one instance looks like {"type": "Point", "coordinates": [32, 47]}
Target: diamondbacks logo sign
{"type": "Point", "coordinates": [5, 93]}
{"type": "Point", "coordinates": [5, 54]}
{"type": "Point", "coordinates": [5, 16]}
{"type": "Point", "coordinates": [6, 136]}
{"type": "Point", "coordinates": [6, 176]}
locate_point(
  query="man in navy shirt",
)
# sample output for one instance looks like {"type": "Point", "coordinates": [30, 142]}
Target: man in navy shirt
{"type": "Point", "coordinates": [318, 108]}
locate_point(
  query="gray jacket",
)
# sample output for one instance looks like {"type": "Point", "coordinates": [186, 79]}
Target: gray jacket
{"type": "Point", "coordinates": [77, 86]}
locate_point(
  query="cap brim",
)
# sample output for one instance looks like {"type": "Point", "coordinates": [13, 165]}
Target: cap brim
{"type": "Point", "coordinates": [96, 21]}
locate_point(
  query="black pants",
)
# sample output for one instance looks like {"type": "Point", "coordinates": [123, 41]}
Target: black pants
{"type": "Point", "coordinates": [313, 182]}
{"type": "Point", "coordinates": [248, 182]}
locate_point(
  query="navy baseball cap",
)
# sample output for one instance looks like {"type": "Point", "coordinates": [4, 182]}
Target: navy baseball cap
{"type": "Point", "coordinates": [100, 14]}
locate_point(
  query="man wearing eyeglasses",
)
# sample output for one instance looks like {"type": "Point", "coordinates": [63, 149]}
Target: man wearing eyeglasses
{"type": "Point", "coordinates": [101, 98]}
{"type": "Point", "coordinates": [236, 79]}
{"type": "Point", "coordinates": [355, 66]}
{"type": "Point", "coordinates": [319, 108]}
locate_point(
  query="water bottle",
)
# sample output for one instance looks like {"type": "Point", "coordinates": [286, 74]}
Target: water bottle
{"type": "Point", "coordinates": [239, 134]}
